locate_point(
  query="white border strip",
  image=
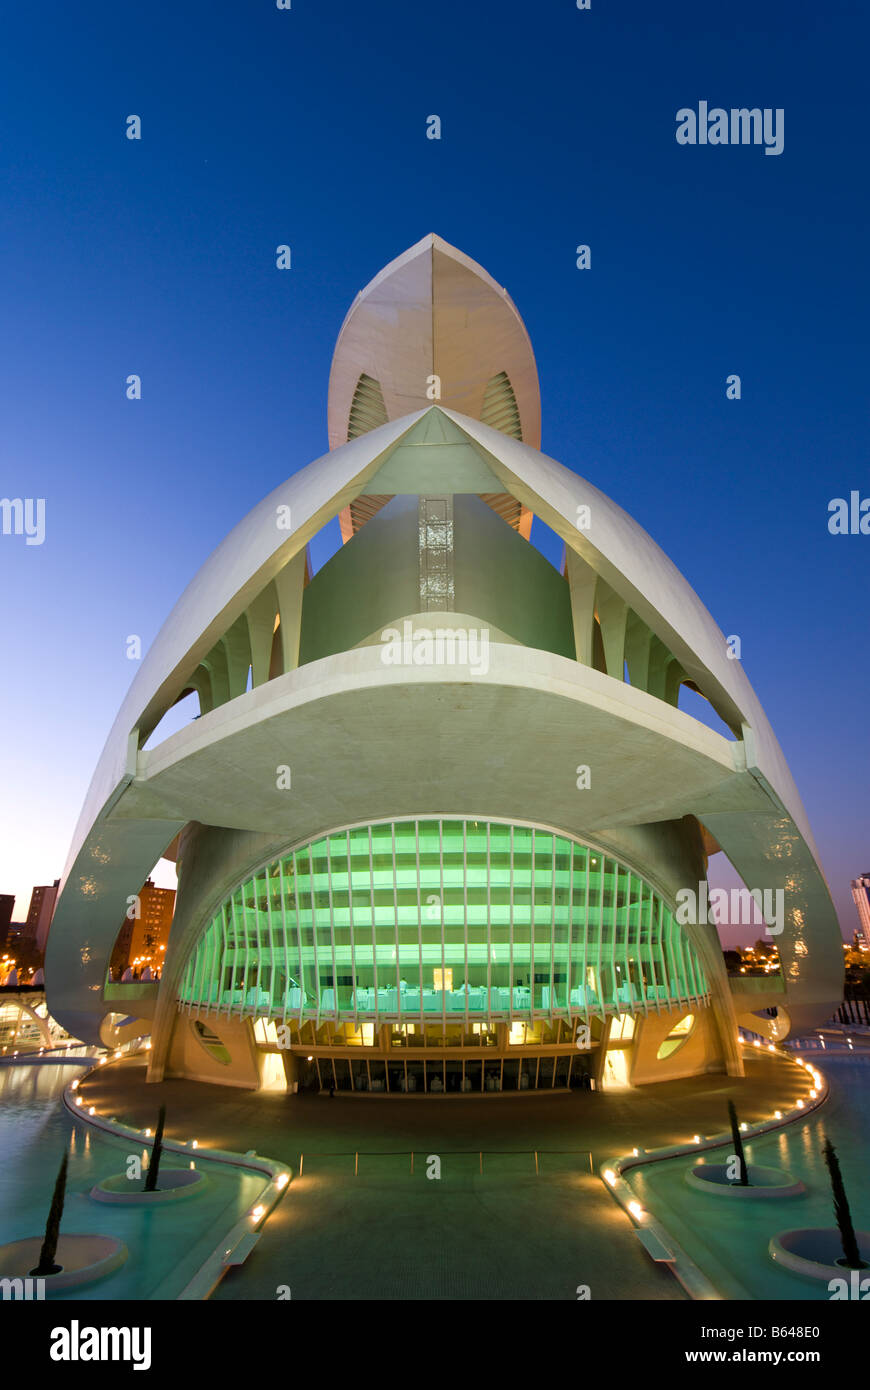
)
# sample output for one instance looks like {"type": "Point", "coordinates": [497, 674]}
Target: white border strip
{"type": "Point", "coordinates": [279, 1176]}
{"type": "Point", "coordinates": [684, 1269]}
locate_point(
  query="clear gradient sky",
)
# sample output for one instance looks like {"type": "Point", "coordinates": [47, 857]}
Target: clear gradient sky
{"type": "Point", "coordinates": [307, 126]}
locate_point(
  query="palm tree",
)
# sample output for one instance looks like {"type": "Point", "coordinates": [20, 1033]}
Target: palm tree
{"type": "Point", "coordinates": [743, 1178]}
{"type": "Point", "coordinates": [157, 1150]}
{"type": "Point", "coordinates": [851, 1253]}
{"type": "Point", "coordinates": [52, 1226]}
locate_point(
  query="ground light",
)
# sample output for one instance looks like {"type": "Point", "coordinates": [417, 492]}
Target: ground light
{"type": "Point", "coordinates": [258, 1213]}
{"type": "Point", "coordinates": [610, 1177]}
{"type": "Point", "coordinates": [636, 1210]}
{"type": "Point", "coordinates": [281, 1181]}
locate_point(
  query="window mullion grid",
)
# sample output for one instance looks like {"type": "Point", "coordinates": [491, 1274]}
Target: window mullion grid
{"type": "Point", "coordinates": [298, 915]}
{"type": "Point", "coordinates": [197, 971]}
{"type": "Point", "coordinates": [511, 976]}
{"type": "Point", "coordinates": [328, 843]}
{"type": "Point", "coordinates": [553, 936]}
{"type": "Point", "coordinates": [419, 922]}
{"type": "Point", "coordinates": [465, 911]}
{"type": "Point", "coordinates": [269, 928]}
{"type": "Point", "coordinates": [690, 963]}
{"type": "Point", "coordinates": [214, 971]}
{"type": "Point", "coordinates": [586, 991]}
{"type": "Point", "coordinates": [602, 860]}
{"type": "Point", "coordinates": [646, 953]}
{"type": "Point", "coordinates": [678, 937]}
{"type": "Point", "coordinates": [374, 927]}
{"type": "Point", "coordinates": [666, 945]}
{"type": "Point", "coordinates": [284, 939]}
{"type": "Point", "coordinates": [224, 962]}
{"type": "Point", "coordinates": [638, 933]}
{"type": "Point", "coordinates": [258, 937]}
{"type": "Point", "coordinates": [489, 922]}
{"type": "Point", "coordinates": [532, 914]}
{"type": "Point", "coordinates": [396, 910]}
{"type": "Point", "coordinates": [238, 967]}
{"type": "Point", "coordinates": [353, 939]}
{"type": "Point", "coordinates": [625, 941]}
{"type": "Point", "coordinates": [443, 913]}
{"type": "Point", "coordinates": [314, 934]}
{"type": "Point", "coordinates": [572, 960]}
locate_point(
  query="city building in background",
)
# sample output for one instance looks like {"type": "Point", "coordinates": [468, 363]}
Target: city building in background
{"type": "Point", "coordinates": [861, 894]}
{"type": "Point", "coordinates": [39, 915]}
{"type": "Point", "coordinates": [436, 820]}
{"type": "Point", "coordinates": [142, 941]}
{"type": "Point", "coordinates": [7, 903]}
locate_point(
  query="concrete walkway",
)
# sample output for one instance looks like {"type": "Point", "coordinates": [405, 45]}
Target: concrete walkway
{"type": "Point", "coordinates": [388, 1235]}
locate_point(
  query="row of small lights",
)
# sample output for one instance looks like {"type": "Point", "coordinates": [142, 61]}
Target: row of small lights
{"type": "Point", "coordinates": [637, 1211]}
{"type": "Point", "coordinates": [256, 1213]}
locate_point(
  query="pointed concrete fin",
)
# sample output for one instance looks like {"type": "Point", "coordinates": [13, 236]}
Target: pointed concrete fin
{"type": "Point", "coordinates": [436, 455]}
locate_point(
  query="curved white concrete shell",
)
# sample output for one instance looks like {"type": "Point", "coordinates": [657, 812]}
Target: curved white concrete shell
{"type": "Point", "coordinates": [369, 741]}
{"type": "Point", "coordinates": [433, 312]}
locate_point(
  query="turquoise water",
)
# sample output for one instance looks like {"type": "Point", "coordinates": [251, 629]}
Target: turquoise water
{"type": "Point", "coordinates": [166, 1246]}
{"type": "Point", "coordinates": [730, 1246]}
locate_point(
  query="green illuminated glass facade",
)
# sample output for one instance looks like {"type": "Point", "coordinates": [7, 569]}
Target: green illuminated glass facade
{"type": "Point", "coordinates": [428, 918]}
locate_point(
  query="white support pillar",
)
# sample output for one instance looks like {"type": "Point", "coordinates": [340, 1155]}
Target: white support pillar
{"type": "Point", "coordinates": [582, 582]}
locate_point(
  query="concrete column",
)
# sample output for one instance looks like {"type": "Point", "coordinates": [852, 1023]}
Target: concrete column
{"type": "Point", "coordinates": [612, 617]}
{"type": "Point", "coordinates": [638, 641]}
{"type": "Point", "coordinates": [201, 682]}
{"type": "Point", "coordinates": [674, 677]}
{"type": "Point", "coordinates": [216, 665]}
{"type": "Point", "coordinates": [237, 648]}
{"type": "Point", "coordinates": [659, 661]}
{"type": "Point", "coordinates": [260, 618]}
{"type": "Point", "coordinates": [583, 582]}
{"type": "Point", "coordinates": [289, 585]}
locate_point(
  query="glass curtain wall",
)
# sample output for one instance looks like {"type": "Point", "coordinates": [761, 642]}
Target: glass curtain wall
{"type": "Point", "coordinates": [421, 918]}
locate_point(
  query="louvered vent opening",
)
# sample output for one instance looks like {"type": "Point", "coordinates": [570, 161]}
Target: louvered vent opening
{"type": "Point", "coordinates": [367, 409]}
{"type": "Point", "coordinates": [508, 508]}
{"type": "Point", "coordinates": [500, 410]}
{"type": "Point", "coordinates": [361, 510]}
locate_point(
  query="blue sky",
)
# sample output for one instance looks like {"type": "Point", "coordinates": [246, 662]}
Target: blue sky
{"type": "Point", "coordinates": [307, 126]}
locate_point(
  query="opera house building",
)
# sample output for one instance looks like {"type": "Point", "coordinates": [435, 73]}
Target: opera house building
{"type": "Point", "coordinates": [440, 800]}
